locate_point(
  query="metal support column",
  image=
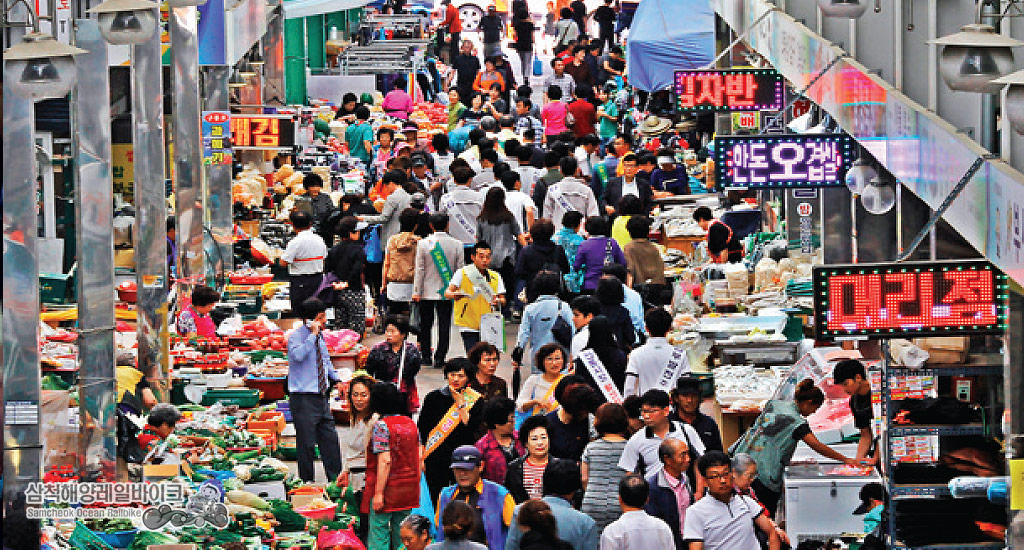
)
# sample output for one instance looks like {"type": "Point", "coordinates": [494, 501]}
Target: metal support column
{"type": "Point", "coordinates": [150, 214]}
{"type": "Point", "coordinates": [988, 130]}
{"type": "Point", "coordinates": [94, 226]}
{"type": "Point", "coordinates": [188, 147]}
{"type": "Point", "coordinates": [22, 444]}
{"type": "Point", "coordinates": [273, 56]}
{"type": "Point", "coordinates": [218, 181]}
{"type": "Point", "coordinates": [1013, 415]}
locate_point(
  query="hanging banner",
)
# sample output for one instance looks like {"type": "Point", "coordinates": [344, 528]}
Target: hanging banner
{"type": "Point", "coordinates": [909, 300]}
{"type": "Point", "coordinates": [765, 162]}
{"type": "Point", "coordinates": [216, 137]}
{"type": "Point", "coordinates": [729, 90]}
{"type": "Point", "coordinates": [262, 131]}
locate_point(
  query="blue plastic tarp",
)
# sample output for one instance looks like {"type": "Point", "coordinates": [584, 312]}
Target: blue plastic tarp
{"type": "Point", "coordinates": [667, 36]}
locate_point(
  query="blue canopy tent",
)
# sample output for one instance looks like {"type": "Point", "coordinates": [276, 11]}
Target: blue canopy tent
{"type": "Point", "coordinates": [666, 36]}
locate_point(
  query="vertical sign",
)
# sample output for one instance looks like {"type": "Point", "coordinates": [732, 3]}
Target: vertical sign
{"type": "Point", "coordinates": [216, 137]}
{"type": "Point", "coordinates": [122, 170]}
{"type": "Point", "coordinates": [803, 220]}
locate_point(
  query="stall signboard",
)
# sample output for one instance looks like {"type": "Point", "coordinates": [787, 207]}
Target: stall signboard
{"type": "Point", "coordinates": [216, 137]}
{"type": "Point", "coordinates": [122, 170]}
{"type": "Point", "coordinates": [729, 90]}
{"type": "Point", "coordinates": [790, 161]}
{"type": "Point", "coordinates": [907, 300]}
{"type": "Point", "coordinates": [262, 132]}
{"type": "Point", "coordinates": [750, 122]}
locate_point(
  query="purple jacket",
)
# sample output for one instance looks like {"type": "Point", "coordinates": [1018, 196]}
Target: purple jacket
{"type": "Point", "coordinates": [592, 255]}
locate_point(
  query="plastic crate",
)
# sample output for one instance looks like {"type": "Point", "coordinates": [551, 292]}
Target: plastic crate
{"type": "Point", "coordinates": [267, 420]}
{"type": "Point", "coordinates": [243, 397]}
{"type": "Point", "coordinates": [57, 288]}
{"type": "Point", "coordinates": [120, 539]}
{"type": "Point", "coordinates": [272, 388]}
{"type": "Point", "coordinates": [83, 538]}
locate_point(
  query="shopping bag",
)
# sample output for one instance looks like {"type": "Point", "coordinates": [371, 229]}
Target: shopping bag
{"type": "Point", "coordinates": [342, 539]}
{"type": "Point", "coordinates": [538, 66]}
{"type": "Point", "coordinates": [399, 292]}
{"type": "Point", "coordinates": [492, 329]}
{"type": "Point", "coordinates": [426, 508]}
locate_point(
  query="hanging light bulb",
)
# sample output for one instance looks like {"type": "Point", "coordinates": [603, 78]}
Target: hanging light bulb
{"type": "Point", "coordinates": [39, 67]}
{"type": "Point", "coordinates": [879, 196]}
{"type": "Point", "coordinates": [860, 175]}
{"type": "Point", "coordinates": [974, 57]}
{"type": "Point", "coordinates": [236, 80]}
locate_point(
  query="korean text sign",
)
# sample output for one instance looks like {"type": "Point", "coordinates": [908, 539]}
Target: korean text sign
{"type": "Point", "coordinates": [729, 90]}
{"type": "Point", "coordinates": [262, 131]}
{"type": "Point", "coordinates": [782, 161]}
{"type": "Point", "coordinates": [909, 299]}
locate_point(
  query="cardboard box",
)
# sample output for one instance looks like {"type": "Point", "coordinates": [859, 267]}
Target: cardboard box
{"type": "Point", "coordinates": [945, 350]}
{"type": "Point", "coordinates": [160, 472]}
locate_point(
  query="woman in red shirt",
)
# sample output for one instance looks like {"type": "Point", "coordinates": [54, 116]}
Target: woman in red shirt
{"type": "Point", "coordinates": [392, 467]}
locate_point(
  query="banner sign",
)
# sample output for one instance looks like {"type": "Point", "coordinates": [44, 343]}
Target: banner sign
{"type": "Point", "coordinates": [729, 90]}
{"type": "Point", "coordinates": [262, 131]}
{"type": "Point", "coordinates": [216, 137]}
{"type": "Point", "coordinates": [909, 300]}
{"type": "Point", "coordinates": [763, 162]}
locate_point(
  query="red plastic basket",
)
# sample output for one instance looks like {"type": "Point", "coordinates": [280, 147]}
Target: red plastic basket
{"type": "Point", "coordinates": [320, 513]}
{"type": "Point", "coordinates": [251, 279]}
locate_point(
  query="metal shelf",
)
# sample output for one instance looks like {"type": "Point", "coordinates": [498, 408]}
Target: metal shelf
{"type": "Point", "coordinates": [957, 370]}
{"type": "Point", "coordinates": [955, 546]}
{"type": "Point", "coordinates": [924, 429]}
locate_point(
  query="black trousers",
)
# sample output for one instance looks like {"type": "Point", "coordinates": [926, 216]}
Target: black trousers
{"type": "Point", "coordinates": [444, 328]}
{"type": "Point", "coordinates": [453, 49]}
{"type": "Point", "coordinates": [768, 497]}
{"type": "Point", "coordinates": [301, 288]}
{"type": "Point", "coordinates": [314, 427]}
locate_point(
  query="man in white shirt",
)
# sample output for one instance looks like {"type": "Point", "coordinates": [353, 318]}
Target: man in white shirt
{"type": "Point", "coordinates": [584, 308]}
{"type": "Point", "coordinates": [519, 203]}
{"type": "Point", "coordinates": [656, 364]}
{"type": "Point", "coordinates": [462, 205]}
{"type": "Point", "coordinates": [570, 193]}
{"type": "Point", "coordinates": [429, 284]}
{"type": "Point", "coordinates": [586, 155]}
{"type": "Point", "coordinates": [559, 78]}
{"type": "Point", "coordinates": [304, 257]}
{"type": "Point", "coordinates": [485, 177]}
{"type": "Point", "coordinates": [641, 452]}
{"type": "Point", "coordinates": [724, 520]}
{"type": "Point", "coordinates": [528, 174]}
{"type": "Point", "coordinates": [635, 529]}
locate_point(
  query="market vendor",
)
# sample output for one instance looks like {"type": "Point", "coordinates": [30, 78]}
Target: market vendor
{"type": "Point", "coordinates": [852, 377]}
{"type": "Point", "coordinates": [773, 438]}
{"type": "Point", "coordinates": [195, 319]}
{"type": "Point", "coordinates": [159, 426]}
{"type": "Point", "coordinates": [320, 201]}
{"type": "Point", "coordinates": [723, 246]}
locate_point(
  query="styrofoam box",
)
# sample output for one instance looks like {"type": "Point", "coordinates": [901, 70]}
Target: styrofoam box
{"type": "Point", "coordinates": [267, 489]}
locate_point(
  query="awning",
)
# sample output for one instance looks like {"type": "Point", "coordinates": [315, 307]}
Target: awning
{"type": "Point", "coordinates": [307, 8]}
{"type": "Point", "coordinates": [666, 36]}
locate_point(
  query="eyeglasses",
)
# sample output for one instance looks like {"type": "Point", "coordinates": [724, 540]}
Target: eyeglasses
{"type": "Point", "coordinates": [647, 412]}
{"type": "Point", "coordinates": [721, 475]}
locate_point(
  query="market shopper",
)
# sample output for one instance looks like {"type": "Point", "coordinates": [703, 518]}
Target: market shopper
{"type": "Point", "coordinates": [773, 439]}
{"type": "Point", "coordinates": [539, 318]}
{"type": "Point", "coordinates": [539, 527]}
{"type": "Point", "coordinates": [641, 452]}
{"type": "Point", "coordinates": [584, 309]}
{"type": "Point", "coordinates": [723, 246]}
{"type": "Point", "coordinates": [462, 204]}
{"type": "Point", "coordinates": [438, 257]}
{"type": "Point", "coordinates": [657, 364]}
{"type": "Point", "coordinates": [541, 255]}
{"type": "Point", "coordinates": [524, 475]}
{"type": "Point", "coordinates": [570, 193]}
{"type": "Point", "coordinates": [603, 341]}
{"type": "Point", "coordinates": [569, 425]}
{"type": "Point", "coordinates": [561, 79]}
{"type": "Point", "coordinates": [628, 184]}
{"type": "Point", "coordinates": [635, 529]}
{"type": "Point", "coordinates": [392, 476]}
{"type": "Point", "coordinates": [491, 30]}
{"type": "Point", "coordinates": [355, 440]}
{"type": "Point", "coordinates": [500, 445]}
{"type": "Point", "coordinates": [310, 376]}
{"type": "Point", "coordinates": [538, 394]}
{"type": "Point", "coordinates": [524, 28]}
{"type": "Point", "coordinates": [304, 257]}
{"type": "Point", "coordinates": [321, 203]}
{"type": "Point", "coordinates": [359, 136]}
{"type": "Point", "coordinates": [457, 521]}
{"type": "Point", "coordinates": [345, 264]}
{"type": "Point", "coordinates": [723, 520]}
{"type": "Point", "coordinates": [476, 290]}
{"type": "Point", "coordinates": [744, 473]}
{"type": "Point", "coordinates": [396, 360]}
{"type": "Point", "coordinates": [400, 262]}
{"type": "Point", "coordinates": [490, 503]}
{"type": "Point", "coordinates": [687, 399]}
{"type": "Point", "coordinates": [575, 530]}
{"type": "Point", "coordinates": [194, 319]}
{"type": "Point", "coordinates": [671, 491]}
{"type": "Point", "coordinates": [415, 532]}
{"type": "Point", "coordinates": [853, 378]}
{"type": "Point", "coordinates": [488, 77]}
{"type": "Point", "coordinates": [466, 66]}
{"type": "Point", "coordinates": [597, 251]}
{"type": "Point", "coordinates": [452, 26]}
{"type": "Point", "coordinates": [646, 269]}
{"type": "Point", "coordinates": [398, 103]}
{"type": "Point", "coordinates": [448, 419]}
{"type": "Point", "coordinates": [599, 464]}
{"type": "Point", "coordinates": [496, 225]}
{"type": "Point", "coordinates": [612, 295]}
{"type": "Point", "coordinates": [398, 199]}
{"type": "Point", "coordinates": [486, 357]}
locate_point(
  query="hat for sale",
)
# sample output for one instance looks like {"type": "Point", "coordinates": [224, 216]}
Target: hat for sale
{"type": "Point", "coordinates": [466, 457]}
{"type": "Point", "coordinates": [687, 125]}
{"type": "Point", "coordinates": [687, 385]}
{"type": "Point", "coordinates": [869, 492]}
{"type": "Point", "coordinates": [654, 125]}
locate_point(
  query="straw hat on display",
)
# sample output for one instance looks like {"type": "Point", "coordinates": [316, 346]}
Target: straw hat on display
{"type": "Point", "coordinates": [654, 125]}
{"type": "Point", "coordinates": [687, 125]}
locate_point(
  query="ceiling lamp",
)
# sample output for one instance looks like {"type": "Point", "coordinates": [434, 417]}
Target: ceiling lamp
{"type": "Point", "coordinates": [859, 176]}
{"type": "Point", "coordinates": [879, 196]}
{"type": "Point", "coordinates": [1014, 103]}
{"type": "Point", "coordinates": [845, 9]}
{"type": "Point", "coordinates": [973, 58]}
{"type": "Point", "coordinates": [39, 67]}
{"type": "Point", "coordinates": [126, 21]}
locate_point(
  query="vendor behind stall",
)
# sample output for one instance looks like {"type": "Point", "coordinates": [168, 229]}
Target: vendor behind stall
{"type": "Point", "coordinates": [773, 438]}
{"type": "Point", "coordinates": [722, 242]}
{"type": "Point", "coordinates": [195, 319]}
{"type": "Point", "coordinates": [853, 378]}
{"type": "Point", "coordinates": [159, 426]}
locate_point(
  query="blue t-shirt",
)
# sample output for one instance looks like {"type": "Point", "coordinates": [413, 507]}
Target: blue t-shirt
{"type": "Point", "coordinates": [675, 181]}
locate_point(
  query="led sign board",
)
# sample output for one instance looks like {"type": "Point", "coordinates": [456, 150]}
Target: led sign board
{"type": "Point", "coordinates": [729, 90]}
{"type": "Point", "coordinates": [909, 299]}
{"type": "Point", "coordinates": [262, 131]}
{"type": "Point", "coordinates": [775, 161]}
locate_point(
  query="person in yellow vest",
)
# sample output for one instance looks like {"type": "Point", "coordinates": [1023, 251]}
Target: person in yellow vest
{"type": "Point", "coordinates": [476, 291]}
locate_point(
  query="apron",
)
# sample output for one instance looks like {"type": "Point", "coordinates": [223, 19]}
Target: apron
{"type": "Point", "coordinates": [204, 324]}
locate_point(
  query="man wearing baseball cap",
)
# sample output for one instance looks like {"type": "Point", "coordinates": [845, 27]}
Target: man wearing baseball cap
{"type": "Point", "coordinates": [687, 399]}
{"type": "Point", "coordinates": [491, 502]}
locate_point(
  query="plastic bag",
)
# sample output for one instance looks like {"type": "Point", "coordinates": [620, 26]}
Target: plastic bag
{"type": "Point", "coordinates": [230, 326]}
{"type": "Point", "coordinates": [343, 539]}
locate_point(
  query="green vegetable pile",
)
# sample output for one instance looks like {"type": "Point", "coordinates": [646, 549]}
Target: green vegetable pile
{"type": "Point", "coordinates": [103, 525]}
{"type": "Point", "coordinates": [143, 539]}
{"type": "Point", "coordinates": [288, 520]}
{"type": "Point", "coordinates": [265, 473]}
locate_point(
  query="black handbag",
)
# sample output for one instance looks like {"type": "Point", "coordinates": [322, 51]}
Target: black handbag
{"type": "Point", "coordinates": [561, 330]}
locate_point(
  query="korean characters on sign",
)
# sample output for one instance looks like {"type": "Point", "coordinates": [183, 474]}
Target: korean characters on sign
{"type": "Point", "coordinates": [781, 162]}
{"type": "Point", "coordinates": [729, 90]}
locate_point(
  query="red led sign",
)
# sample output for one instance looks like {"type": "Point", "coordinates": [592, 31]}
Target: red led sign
{"type": "Point", "coordinates": [262, 132]}
{"type": "Point", "coordinates": [729, 90]}
{"type": "Point", "coordinates": [909, 299]}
